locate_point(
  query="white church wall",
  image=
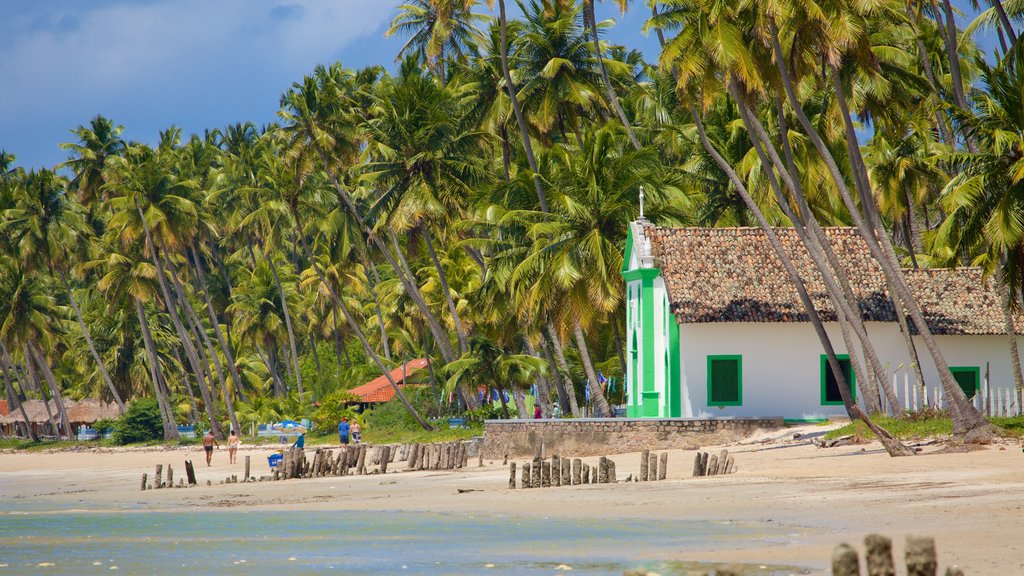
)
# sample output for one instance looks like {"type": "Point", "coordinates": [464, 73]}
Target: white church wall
{"type": "Point", "coordinates": [781, 364]}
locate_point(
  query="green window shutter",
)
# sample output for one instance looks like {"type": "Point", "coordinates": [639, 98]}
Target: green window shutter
{"type": "Point", "coordinates": [830, 387]}
{"type": "Point", "coordinates": [968, 377]}
{"type": "Point", "coordinates": [725, 381]}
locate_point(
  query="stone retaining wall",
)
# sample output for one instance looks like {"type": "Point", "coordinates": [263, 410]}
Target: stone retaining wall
{"type": "Point", "coordinates": [599, 436]}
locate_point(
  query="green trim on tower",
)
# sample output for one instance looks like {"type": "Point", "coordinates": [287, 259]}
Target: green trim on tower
{"type": "Point", "coordinates": [647, 324]}
{"type": "Point", "coordinates": [641, 274]}
{"type": "Point", "coordinates": [673, 382]}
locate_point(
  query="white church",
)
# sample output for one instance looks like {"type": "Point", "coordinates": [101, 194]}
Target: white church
{"type": "Point", "coordinates": [716, 329]}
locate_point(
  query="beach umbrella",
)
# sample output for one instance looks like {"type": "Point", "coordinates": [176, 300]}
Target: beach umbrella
{"type": "Point", "coordinates": [289, 427]}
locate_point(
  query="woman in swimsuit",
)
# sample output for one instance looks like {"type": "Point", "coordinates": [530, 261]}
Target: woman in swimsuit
{"type": "Point", "coordinates": [232, 446]}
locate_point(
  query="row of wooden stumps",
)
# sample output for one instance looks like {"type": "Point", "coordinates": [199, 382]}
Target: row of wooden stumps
{"type": "Point", "coordinates": [159, 481]}
{"type": "Point", "coordinates": [650, 470]}
{"type": "Point", "coordinates": [562, 472]}
{"type": "Point", "coordinates": [920, 558]}
{"type": "Point", "coordinates": [713, 465]}
{"type": "Point", "coordinates": [359, 459]}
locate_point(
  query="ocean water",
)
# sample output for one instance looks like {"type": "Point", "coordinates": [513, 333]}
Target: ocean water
{"type": "Point", "coordinates": [297, 542]}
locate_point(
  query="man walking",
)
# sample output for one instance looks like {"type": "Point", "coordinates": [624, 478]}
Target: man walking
{"type": "Point", "coordinates": [343, 431]}
{"type": "Point", "coordinates": [208, 443]}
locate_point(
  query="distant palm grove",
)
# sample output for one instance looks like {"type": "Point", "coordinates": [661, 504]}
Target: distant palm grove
{"type": "Point", "coordinates": [472, 207]}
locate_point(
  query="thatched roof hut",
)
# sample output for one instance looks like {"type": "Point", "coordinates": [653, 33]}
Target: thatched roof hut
{"type": "Point", "coordinates": [90, 410]}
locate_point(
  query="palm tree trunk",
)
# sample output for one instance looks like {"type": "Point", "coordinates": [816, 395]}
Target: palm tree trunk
{"type": "Point", "coordinates": [166, 413]}
{"type": "Point", "coordinates": [520, 404]}
{"type": "Point", "coordinates": [442, 334]}
{"type": "Point", "coordinates": [556, 375]}
{"type": "Point", "coordinates": [953, 54]}
{"type": "Point", "coordinates": [597, 399]}
{"type": "Point", "coordinates": [11, 394]}
{"type": "Point", "coordinates": [354, 326]}
{"type": "Point", "coordinates": [613, 99]}
{"type": "Point", "coordinates": [316, 355]}
{"type": "Point", "coordinates": [661, 34]}
{"type": "Point", "coordinates": [543, 391]}
{"type": "Point", "coordinates": [269, 363]}
{"type": "Point", "coordinates": [1011, 337]}
{"type": "Point", "coordinates": [287, 323]}
{"type": "Point", "coordinates": [89, 342]}
{"type": "Point", "coordinates": [967, 421]}
{"type": "Point", "coordinates": [33, 377]}
{"type": "Point", "coordinates": [212, 313]}
{"type": "Point", "coordinates": [1005, 21]}
{"type": "Point", "coordinates": [407, 279]}
{"type": "Point", "coordinates": [892, 446]}
{"type": "Point", "coordinates": [570, 391]}
{"type": "Point", "coordinates": [338, 348]}
{"type": "Point", "coordinates": [186, 342]}
{"type": "Point", "coordinates": [514, 99]}
{"type": "Point", "coordinates": [847, 308]}
{"type": "Point", "coordinates": [203, 339]}
{"type": "Point", "coordinates": [51, 380]}
{"type": "Point", "coordinates": [966, 424]}
{"type": "Point", "coordinates": [459, 331]}
{"type": "Point", "coordinates": [945, 133]}
{"type": "Point", "coordinates": [385, 344]}
{"type": "Point", "coordinates": [189, 393]}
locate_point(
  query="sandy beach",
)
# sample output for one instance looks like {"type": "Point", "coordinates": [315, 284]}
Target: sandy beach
{"type": "Point", "coordinates": [971, 502]}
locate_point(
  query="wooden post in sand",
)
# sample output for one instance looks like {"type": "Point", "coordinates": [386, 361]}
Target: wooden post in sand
{"type": "Point", "coordinates": [577, 466]}
{"type": "Point", "coordinates": [846, 563]}
{"type": "Point", "coordinates": [170, 476]}
{"type": "Point", "coordinates": [878, 555]}
{"type": "Point", "coordinates": [535, 474]}
{"type": "Point", "coordinates": [385, 457]}
{"type": "Point", "coordinates": [663, 468]}
{"type": "Point", "coordinates": [144, 476]}
{"type": "Point", "coordinates": [247, 468]}
{"type": "Point", "coordinates": [190, 472]}
{"type": "Point", "coordinates": [643, 465]}
{"type": "Point", "coordinates": [712, 465]}
{"type": "Point", "coordinates": [593, 474]}
{"type": "Point", "coordinates": [696, 465]}
{"type": "Point", "coordinates": [545, 474]}
{"type": "Point", "coordinates": [410, 463]}
{"type": "Point", "coordinates": [920, 555]}
{"type": "Point", "coordinates": [361, 461]}
{"type": "Point", "coordinates": [611, 471]}
{"type": "Point", "coordinates": [566, 472]}
{"type": "Point", "coordinates": [585, 475]}
{"type": "Point", "coordinates": [602, 470]}
{"type": "Point", "coordinates": [556, 471]}
{"type": "Point", "coordinates": [460, 455]}
{"type": "Point", "coordinates": [526, 477]}
{"type": "Point", "coordinates": [704, 464]}
{"type": "Point", "coordinates": [652, 467]}
{"type": "Point", "coordinates": [158, 477]}
{"type": "Point", "coordinates": [512, 476]}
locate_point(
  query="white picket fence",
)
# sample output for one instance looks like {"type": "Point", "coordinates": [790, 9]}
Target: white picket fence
{"type": "Point", "coordinates": [990, 400]}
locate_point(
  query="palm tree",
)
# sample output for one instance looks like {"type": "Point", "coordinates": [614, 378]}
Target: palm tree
{"type": "Point", "coordinates": [45, 226]}
{"type": "Point", "coordinates": [437, 30]}
{"type": "Point", "coordinates": [488, 364]}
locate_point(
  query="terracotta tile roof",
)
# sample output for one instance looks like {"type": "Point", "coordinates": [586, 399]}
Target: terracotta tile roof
{"type": "Point", "coordinates": [733, 275]}
{"type": "Point", "coordinates": [380, 390]}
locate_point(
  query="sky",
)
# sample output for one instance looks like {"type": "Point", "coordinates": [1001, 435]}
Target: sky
{"type": "Point", "coordinates": [195, 64]}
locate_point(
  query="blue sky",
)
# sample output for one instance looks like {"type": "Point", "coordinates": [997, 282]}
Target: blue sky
{"type": "Point", "coordinates": [197, 64]}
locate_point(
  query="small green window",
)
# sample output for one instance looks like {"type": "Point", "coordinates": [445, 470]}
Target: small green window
{"type": "Point", "coordinates": [968, 377]}
{"type": "Point", "coordinates": [725, 380]}
{"type": "Point", "coordinates": [830, 395]}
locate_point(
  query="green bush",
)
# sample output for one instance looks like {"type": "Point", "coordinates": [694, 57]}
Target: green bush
{"type": "Point", "coordinates": [332, 409]}
{"type": "Point", "coordinates": [141, 422]}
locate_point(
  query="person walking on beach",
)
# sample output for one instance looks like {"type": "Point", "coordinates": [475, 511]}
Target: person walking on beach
{"type": "Point", "coordinates": [537, 414]}
{"type": "Point", "coordinates": [357, 433]}
{"type": "Point", "coordinates": [343, 428]}
{"type": "Point", "coordinates": [232, 446]}
{"type": "Point", "coordinates": [208, 443]}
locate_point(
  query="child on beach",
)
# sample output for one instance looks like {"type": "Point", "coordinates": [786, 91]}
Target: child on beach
{"type": "Point", "coordinates": [232, 446]}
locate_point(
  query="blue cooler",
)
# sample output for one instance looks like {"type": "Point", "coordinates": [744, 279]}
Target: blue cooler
{"type": "Point", "coordinates": [274, 459]}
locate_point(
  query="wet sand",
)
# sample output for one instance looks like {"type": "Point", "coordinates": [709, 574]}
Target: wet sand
{"type": "Point", "coordinates": [971, 502]}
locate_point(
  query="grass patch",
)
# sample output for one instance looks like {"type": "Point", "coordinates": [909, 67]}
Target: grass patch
{"type": "Point", "coordinates": [926, 426]}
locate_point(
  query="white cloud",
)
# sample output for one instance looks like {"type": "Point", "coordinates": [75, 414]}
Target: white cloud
{"type": "Point", "coordinates": [65, 62]}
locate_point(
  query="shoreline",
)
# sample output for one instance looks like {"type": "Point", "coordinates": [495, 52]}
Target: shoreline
{"type": "Point", "coordinates": [971, 502]}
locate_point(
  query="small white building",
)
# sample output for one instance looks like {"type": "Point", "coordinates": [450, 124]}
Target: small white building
{"type": "Point", "coordinates": [715, 327]}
